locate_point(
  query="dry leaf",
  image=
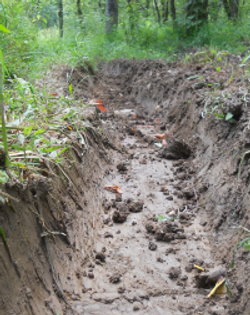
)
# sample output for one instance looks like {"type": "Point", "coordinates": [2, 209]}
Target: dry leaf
{"type": "Point", "coordinates": [160, 136]}
{"type": "Point", "coordinates": [100, 106]}
{"type": "Point", "coordinates": [218, 286]}
{"type": "Point", "coordinates": [53, 94]}
{"type": "Point", "coordinates": [114, 188]}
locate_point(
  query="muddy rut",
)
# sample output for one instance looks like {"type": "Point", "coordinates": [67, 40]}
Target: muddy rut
{"type": "Point", "coordinates": [151, 238]}
{"type": "Point", "coordinates": [161, 244]}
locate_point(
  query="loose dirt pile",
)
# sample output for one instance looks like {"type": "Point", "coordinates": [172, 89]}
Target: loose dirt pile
{"type": "Point", "coordinates": [175, 140]}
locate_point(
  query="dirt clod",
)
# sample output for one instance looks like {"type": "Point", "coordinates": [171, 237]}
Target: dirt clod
{"type": "Point", "coordinates": [137, 306]}
{"type": "Point", "coordinates": [152, 246]}
{"type": "Point", "coordinates": [91, 275]}
{"type": "Point", "coordinates": [135, 206]}
{"type": "Point", "coordinates": [174, 272]}
{"type": "Point", "coordinates": [122, 167]}
{"type": "Point", "coordinates": [119, 217]}
{"type": "Point", "coordinates": [101, 257]}
{"type": "Point", "coordinates": [115, 278]}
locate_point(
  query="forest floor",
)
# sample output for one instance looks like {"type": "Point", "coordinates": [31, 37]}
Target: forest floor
{"type": "Point", "coordinates": [156, 206]}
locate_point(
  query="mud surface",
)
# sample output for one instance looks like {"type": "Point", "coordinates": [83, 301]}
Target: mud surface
{"type": "Point", "coordinates": [151, 236]}
{"type": "Point", "coordinates": [184, 175]}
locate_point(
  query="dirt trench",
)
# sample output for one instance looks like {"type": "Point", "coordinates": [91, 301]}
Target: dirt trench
{"type": "Point", "coordinates": [183, 202]}
{"type": "Point", "coordinates": [151, 238]}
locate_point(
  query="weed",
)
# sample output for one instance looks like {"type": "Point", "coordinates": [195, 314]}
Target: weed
{"type": "Point", "coordinates": [40, 127]}
{"type": "Point", "coordinates": [245, 243]}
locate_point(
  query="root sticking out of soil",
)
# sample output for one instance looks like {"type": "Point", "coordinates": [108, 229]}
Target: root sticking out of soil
{"type": "Point", "coordinates": [172, 149]}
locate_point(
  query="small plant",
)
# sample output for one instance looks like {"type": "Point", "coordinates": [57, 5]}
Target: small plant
{"type": "Point", "coordinates": [245, 243]}
{"type": "Point", "coordinates": [229, 117]}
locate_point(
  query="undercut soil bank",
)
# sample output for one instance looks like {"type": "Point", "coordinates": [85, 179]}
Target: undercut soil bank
{"type": "Point", "coordinates": [166, 141]}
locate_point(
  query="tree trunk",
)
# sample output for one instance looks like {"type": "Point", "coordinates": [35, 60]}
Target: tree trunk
{"type": "Point", "coordinates": [111, 15]}
{"type": "Point", "coordinates": [131, 14]}
{"type": "Point", "coordinates": [196, 14]}
{"type": "Point", "coordinates": [232, 8]}
{"type": "Point", "coordinates": [235, 5]}
{"type": "Point", "coordinates": [165, 10]}
{"type": "Point", "coordinates": [173, 10]}
{"type": "Point", "coordinates": [147, 8]}
{"type": "Point", "coordinates": [173, 13]}
{"type": "Point", "coordinates": [79, 9]}
{"type": "Point", "coordinates": [157, 11]}
{"type": "Point", "coordinates": [60, 17]}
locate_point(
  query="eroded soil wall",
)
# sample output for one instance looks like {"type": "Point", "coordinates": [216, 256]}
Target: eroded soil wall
{"type": "Point", "coordinates": [50, 234]}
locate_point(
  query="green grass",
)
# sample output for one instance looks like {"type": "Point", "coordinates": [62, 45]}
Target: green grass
{"type": "Point", "coordinates": [30, 51]}
{"type": "Point", "coordinates": [148, 41]}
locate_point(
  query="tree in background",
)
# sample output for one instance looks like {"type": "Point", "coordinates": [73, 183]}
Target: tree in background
{"type": "Point", "coordinates": [173, 13]}
{"type": "Point", "coordinates": [79, 9]}
{"type": "Point", "coordinates": [111, 15]}
{"type": "Point", "coordinates": [232, 8]}
{"type": "Point", "coordinates": [196, 15]}
{"type": "Point", "coordinates": [157, 11]}
{"type": "Point", "coordinates": [60, 17]}
{"type": "Point", "coordinates": [165, 10]}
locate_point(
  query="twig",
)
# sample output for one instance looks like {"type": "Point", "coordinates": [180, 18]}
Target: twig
{"type": "Point", "coordinates": [6, 195]}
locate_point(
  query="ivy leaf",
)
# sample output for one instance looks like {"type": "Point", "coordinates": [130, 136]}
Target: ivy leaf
{"type": "Point", "coordinates": [39, 131]}
{"type": "Point", "coordinates": [229, 116]}
{"type": "Point", "coordinates": [217, 115]}
{"type": "Point", "coordinates": [4, 29]}
{"type": "Point", "coordinates": [27, 130]}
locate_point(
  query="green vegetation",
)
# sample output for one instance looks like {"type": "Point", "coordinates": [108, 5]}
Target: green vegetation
{"type": "Point", "coordinates": [146, 29]}
{"type": "Point", "coordinates": [35, 34]}
{"type": "Point", "coordinates": [245, 243]}
{"type": "Point", "coordinates": [41, 127]}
